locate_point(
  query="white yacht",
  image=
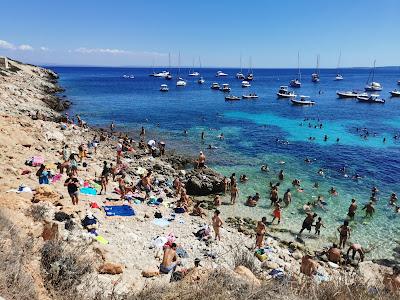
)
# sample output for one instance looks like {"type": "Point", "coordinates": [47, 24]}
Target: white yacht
{"type": "Point", "coordinates": [285, 93]}
{"type": "Point", "coordinates": [373, 86]}
{"type": "Point", "coordinates": [296, 83]}
{"type": "Point", "coordinates": [181, 82]}
{"type": "Point", "coordinates": [164, 88]}
{"type": "Point", "coordinates": [315, 75]}
{"type": "Point", "coordinates": [245, 84]}
{"type": "Point", "coordinates": [215, 86]}
{"type": "Point", "coordinates": [194, 74]}
{"type": "Point", "coordinates": [250, 96]}
{"type": "Point", "coordinates": [239, 75]}
{"type": "Point", "coordinates": [221, 74]}
{"type": "Point", "coordinates": [162, 74]}
{"type": "Point", "coordinates": [338, 75]}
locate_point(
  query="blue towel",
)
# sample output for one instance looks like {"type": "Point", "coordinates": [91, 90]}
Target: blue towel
{"type": "Point", "coordinates": [88, 191]}
{"type": "Point", "coordinates": [119, 210]}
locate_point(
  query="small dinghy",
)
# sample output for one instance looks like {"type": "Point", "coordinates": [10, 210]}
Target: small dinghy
{"type": "Point", "coordinates": [373, 98]}
{"type": "Point", "coordinates": [304, 100]}
{"type": "Point", "coordinates": [232, 98]}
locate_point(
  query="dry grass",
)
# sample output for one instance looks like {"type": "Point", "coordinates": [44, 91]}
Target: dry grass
{"type": "Point", "coordinates": [64, 268]}
{"type": "Point", "coordinates": [38, 212]}
{"type": "Point", "coordinates": [15, 281]}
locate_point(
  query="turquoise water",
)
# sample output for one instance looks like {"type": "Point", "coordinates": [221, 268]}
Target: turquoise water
{"type": "Point", "coordinates": [267, 131]}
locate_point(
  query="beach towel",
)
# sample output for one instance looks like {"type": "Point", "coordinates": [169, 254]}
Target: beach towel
{"type": "Point", "coordinates": [119, 210]}
{"type": "Point", "coordinates": [88, 191]}
{"type": "Point", "coordinates": [161, 222]}
{"type": "Point", "coordinates": [56, 178]}
{"type": "Point", "coordinates": [101, 240]}
{"type": "Point", "coordinates": [37, 161]}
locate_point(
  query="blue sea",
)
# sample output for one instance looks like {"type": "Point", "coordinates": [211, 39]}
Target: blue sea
{"type": "Point", "coordinates": [267, 131]}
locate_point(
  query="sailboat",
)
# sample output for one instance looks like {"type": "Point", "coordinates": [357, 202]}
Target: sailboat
{"type": "Point", "coordinates": [315, 75]}
{"type": "Point", "coordinates": [372, 86]}
{"type": "Point", "coordinates": [180, 81]}
{"type": "Point", "coordinates": [296, 83]}
{"type": "Point", "coordinates": [201, 79]}
{"type": "Point", "coordinates": [169, 76]}
{"type": "Point", "coordinates": [192, 72]}
{"type": "Point", "coordinates": [250, 75]}
{"type": "Point", "coordinates": [338, 75]}
{"type": "Point", "coordinates": [239, 75]}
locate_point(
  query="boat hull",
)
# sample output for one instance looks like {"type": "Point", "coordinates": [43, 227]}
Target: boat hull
{"type": "Point", "coordinates": [395, 94]}
{"type": "Point", "coordinates": [302, 103]}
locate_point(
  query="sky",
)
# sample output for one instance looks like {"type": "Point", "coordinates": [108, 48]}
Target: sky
{"type": "Point", "coordinates": [143, 33]}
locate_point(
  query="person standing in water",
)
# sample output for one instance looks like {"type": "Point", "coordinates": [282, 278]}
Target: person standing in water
{"type": "Point", "coordinates": [287, 197]}
{"type": "Point", "coordinates": [234, 193]}
{"type": "Point", "coordinates": [277, 213]}
{"type": "Point", "coordinates": [281, 175]}
{"type": "Point", "coordinates": [344, 232]}
{"type": "Point", "coordinates": [369, 209]}
{"type": "Point", "coordinates": [112, 126]}
{"type": "Point", "coordinates": [352, 209]}
{"type": "Point", "coordinates": [217, 224]}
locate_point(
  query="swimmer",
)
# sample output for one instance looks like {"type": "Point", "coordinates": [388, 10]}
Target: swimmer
{"type": "Point", "coordinates": [221, 136]}
{"type": "Point", "coordinates": [393, 199]}
{"type": "Point", "coordinates": [281, 175]}
{"type": "Point", "coordinates": [369, 209]}
{"type": "Point", "coordinates": [325, 138]}
{"type": "Point", "coordinates": [321, 172]}
{"type": "Point", "coordinates": [243, 178]}
{"type": "Point", "coordinates": [352, 209]}
{"type": "Point", "coordinates": [333, 191]}
{"type": "Point", "coordinates": [264, 168]}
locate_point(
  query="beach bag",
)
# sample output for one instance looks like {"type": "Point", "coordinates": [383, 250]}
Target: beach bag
{"type": "Point", "coordinates": [261, 255]}
{"type": "Point", "coordinates": [157, 215]}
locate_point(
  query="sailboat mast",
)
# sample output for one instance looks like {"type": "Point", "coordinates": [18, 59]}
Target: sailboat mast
{"type": "Point", "coordinates": [169, 61]}
{"type": "Point", "coordinates": [340, 56]}
{"type": "Point", "coordinates": [373, 72]}
{"type": "Point", "coordinates": [241, 69]}
{"type": "Point", "coordinates": [298, 65]}
{"type": "Point", "coordinates": [179, 63]}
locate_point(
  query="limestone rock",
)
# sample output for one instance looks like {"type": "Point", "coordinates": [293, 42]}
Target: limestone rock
{"type": "Point", "coordinates": [247, 275]}
{"type": "Point", "coordinates": [151, 272]}
{"type": "Point", "coordinates": [110, 268]}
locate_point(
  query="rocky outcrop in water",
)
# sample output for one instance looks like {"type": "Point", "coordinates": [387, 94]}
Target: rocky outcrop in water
{"type": "Point", "coordinates": [204, 182]}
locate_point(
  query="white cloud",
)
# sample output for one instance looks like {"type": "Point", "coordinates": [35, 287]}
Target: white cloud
{"type": "Point", "coordinates": [6, 45]}
{"type": "Point", "coordinates": [10, 46]}
{"type": "Point", "coordinates": [111, 51]}
{"type": "Point", "coordinates": [101, 50]}
{"type": "Point", "coordinates": [44, 48]}
{"type": "Point", "coordinates": [25, 47]}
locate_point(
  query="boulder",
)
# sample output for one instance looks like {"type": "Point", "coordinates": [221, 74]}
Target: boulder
{"type": "Point", "coordinates": [110, 268]}
{"type": "Point", "coordinates": [269, 265]}
{"type": "Point", "coordinates": [151, 272]}
{"type": "Point", "coordinates": [50, 231]}
{"type": "Point", "coordinates": [297, 255]}
{"type": "Point", "coordinates": [204, 182]}
{"type": "Point", "coordinates": [47, 194]}
{"type": "Point", "coordinates": [247, 275]}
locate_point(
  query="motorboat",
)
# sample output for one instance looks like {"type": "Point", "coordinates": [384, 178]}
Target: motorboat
{"type": "Point", "coordinates": [338, 77]}
{"type": "Point", "coordinates": [215, 86]}
{"type": "Point", "coordinates": [239, 75]}
{"type": "Point", "coordinates": [372, 86]}
{"type": "Point", "coordinates": [315, 75]}
{"type": "Point", "coordinates": [250, 96]}
{"type": "Point", "coordinates": [201, 80]}
{"type": "Point", "coordinates": [350, 94]}
{"type": "Point", "coordinates": [125, 76]}
{"type": "Point", "coordinates": [373, 98]}
{"type": "Point", "coordinates": [131, 77]}
{"type": "Point", "coordinates": [162, 74]}
{"type": "Point", "coordinates": [194, 74]}
{"type": "Point", "coordinates": [295, 83]}
{"type": "Point", "coordinates": [395, 93]}
{"type": "Point", "coordinates": [221, 74]}
{"type": "Point", "coordinates": [285, 93]}
{"type": "Point", "coordinates": [225, 88]}
{"type": "Point", "coordinates": [304, 100]}
{"type": "Point", "coordinates": [232, 98]}
{"type": "Point", "coordinates": [398, 82]}
{"type": "Point", "coordinates": [181, 82]}
{"type": "Point", "coordinates": [164, 88]}
{"type": "Point", "coordinates": [245, 84]}
{"type": "Point", "coordinates": [128, 76]}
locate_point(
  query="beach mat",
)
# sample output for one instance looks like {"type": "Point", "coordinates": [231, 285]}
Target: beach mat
{"type": "Point", "coordinates": [119, 210]}
{"type": "Point", "coordinates": [88, 191]}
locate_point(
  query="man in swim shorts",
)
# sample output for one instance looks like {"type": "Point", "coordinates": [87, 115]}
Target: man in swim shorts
{"type": "Point", "coordinates": [260, 232]}
{"type": "Point", "coordinates": [352, 209]}
{"type": "Point", "coordinates": [170, 259]}
{"type": "Point", "coordinates": [308, 221]}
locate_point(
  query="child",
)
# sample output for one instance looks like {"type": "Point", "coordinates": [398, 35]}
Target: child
{"type": "Point", "coordinates": [318, 226]}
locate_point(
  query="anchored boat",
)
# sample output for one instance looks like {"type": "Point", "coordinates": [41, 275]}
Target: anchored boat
{"type": "Point", "coordinates": [304, 101]}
